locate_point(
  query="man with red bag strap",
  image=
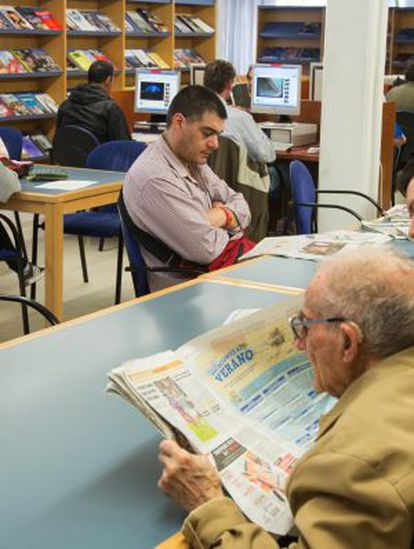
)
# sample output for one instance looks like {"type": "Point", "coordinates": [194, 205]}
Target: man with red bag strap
{"type": "Point", "coordinates": [172, 195]}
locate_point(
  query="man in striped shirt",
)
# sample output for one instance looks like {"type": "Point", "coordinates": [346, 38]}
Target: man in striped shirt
{"type": "Point", "coordinates": [171, 193]}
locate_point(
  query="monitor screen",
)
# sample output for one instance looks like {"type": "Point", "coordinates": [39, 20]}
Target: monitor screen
{"type": "Point", "coordinates": [276, 89]}
{"type": "Point", "coordinates": [154, 90]}
{"type": "Point", "coordinates": [315, 81]}
{"type": "Point", "coordinates": [197, 75]}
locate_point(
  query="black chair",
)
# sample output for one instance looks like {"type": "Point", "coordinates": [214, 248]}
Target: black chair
{"type": "Point", "coordinates": [304, 196]}
{"type": "Point", "coordinates": [241, 95]}
{"type": "Point", "coordinates": [71, 146]}
{"type": "Point", "coordinates": [17, 255]}
{"type": "Point", "coordinates": [48, 315]}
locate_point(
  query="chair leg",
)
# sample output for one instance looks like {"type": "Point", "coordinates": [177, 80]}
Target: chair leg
{"type": "Point", "coordinates": [20, 230]}
{"type": "Point", "coordinates": [83, 259]}
{"type": "Point", "coordinates": [35, 239]}
{"type": "Point", "coordinates": [101, 244]}
{"type": "Point", "coordinates": [22, 288]}
{"type": "Point", "coordinates": [118, 285]}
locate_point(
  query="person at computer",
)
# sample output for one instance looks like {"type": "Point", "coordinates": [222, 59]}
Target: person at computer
{"type": "Point", "coordinates": [240, 126]}
{"type": "Point", "coordinates": [403, 95]}
{"type": "Point", "coordinates": [355, 486]}
{"type": "Point", "coordinates": [171, 194]}
{"type": "Point", "coordinates": [91, 107]}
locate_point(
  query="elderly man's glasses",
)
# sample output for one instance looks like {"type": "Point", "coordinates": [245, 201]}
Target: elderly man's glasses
{"type": "Point", "coordinates": [300, 323]}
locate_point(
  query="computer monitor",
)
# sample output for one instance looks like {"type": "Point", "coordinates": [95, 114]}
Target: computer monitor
{"type": "Point", "coordinates": [155, 89]}
{"type": "Point", "coordinates": [197, 75]}
{"type": "Point", "coordinates": [315, 81]}
{"type": "Point", "coordinates": [276, 89]}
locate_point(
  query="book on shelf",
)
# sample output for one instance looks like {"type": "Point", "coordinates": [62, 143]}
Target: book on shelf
{"type": "Point", "coordinates": [30, 15]}
{"type": "Point", "coordinates": [181, 26]}
{"type": "Point", "coordinates": [140, 58]}
{"type": "Point", "coordinates": [185, 57]}
{"type": "Point", "coordinates": [5, 23]}
{"type": "Point", "coordinates": [17, 107]}
{"type": "Point", "coordinates": [77, 22]}
{"type": "Point", "coordinates": [154, 21]}
{"type": "Point", "coordinates": [14, 17]}
{"type": "Point", "coordinates": [290, 55]}
{"type": "Point", "coordinates": [203, 25]}
{"type": "Point", "coordinates": [30, 150]}
{"type": "Point", "coordinates": [89, 21]}
{"type": "Point", "coordinates": [138, 22]}
{"type": "Point", "coordinates": [42, 142]}
{"type": "Point", "coordinates": [48, 102]}
{"type": "Point", "coordinates": [36, 60]}
{"type": "Point", "coordinates": [82, 59]}
{"type": "Point", "coordinates": [29, 100]}
{"type": "Point", "coordinates": [291, 29]}
{"type": "Point", "coordinates": [158, 60]}
{"type": "Point", "coordinates": [242, 394]}
{"type": "Point", "coordinates": [191, 23]}
{"type": "Point", "coordinates": [48, 19]}
{"type": "Point", "coordinates": [9, 64]}
{"type": "Point", "coordinates": [5, 111]}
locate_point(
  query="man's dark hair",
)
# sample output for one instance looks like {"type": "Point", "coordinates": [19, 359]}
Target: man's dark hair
{"type": "Point", "coordinates": [409, 73]}
{"type": "Point", "coordinates": [405, 176]}
{"type": "Point", "coordinates": [99, 71]}
{"type": "Point", "coordinates": [217, 75]}
{"type": "Point", "coordinates": [193, 101]}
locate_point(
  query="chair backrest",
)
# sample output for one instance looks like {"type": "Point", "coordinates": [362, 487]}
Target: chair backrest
{"type": "Point", "coordinates": [303, 190]}
{"type": "Point", "coordinates": [406, 122]}
{"type": "Point", "coordinates": [72, 144]}
{"type": "Point", "coordinates": [115, 155]}
{"type": "Point", "coordinates": [241, 95]}
{"type": "Point", "coordinates": [48, 315]}
{"type": "Point", "coordinates": [13, 139]}
{"type": "Point", "coordinates": [136, 261]}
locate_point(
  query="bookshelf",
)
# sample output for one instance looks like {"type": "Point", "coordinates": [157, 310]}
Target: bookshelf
{"type": "Point", "coordinates": [112, 44]}
{"type": "Point", "coordinates": [400, 41]}
{"type": "Point", "coordinates": [289, 34]}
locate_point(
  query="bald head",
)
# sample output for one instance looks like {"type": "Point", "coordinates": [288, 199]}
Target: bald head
{"type": "Point", "coordinates": [374, 289]}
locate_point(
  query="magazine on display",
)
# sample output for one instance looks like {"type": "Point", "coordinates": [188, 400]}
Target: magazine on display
{"type": "Point", "coordinates": [243, 395]}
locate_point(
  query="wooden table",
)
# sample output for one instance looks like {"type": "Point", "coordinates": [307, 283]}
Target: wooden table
{"type": "Point", "coordinates": [54, 205]}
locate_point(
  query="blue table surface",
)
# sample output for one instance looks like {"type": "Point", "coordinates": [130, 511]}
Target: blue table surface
{"type": "Point", "coordinates": [78, 466]}
{"type": "Point", "coordinates": [293, 273]}
{"type": "Point", "coordinates": [100, 176]}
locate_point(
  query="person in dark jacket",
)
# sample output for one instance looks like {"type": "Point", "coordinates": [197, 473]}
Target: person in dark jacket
{"type": "Point", "coordinates": [91, 106]}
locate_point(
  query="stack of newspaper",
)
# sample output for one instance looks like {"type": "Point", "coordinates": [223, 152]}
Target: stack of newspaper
{"type": "Point", "coordinates": [395, 223]}
{"type": "Point", "coordinates": [242, 394]}
{"type": "Point", "coordinates": [315, 246]}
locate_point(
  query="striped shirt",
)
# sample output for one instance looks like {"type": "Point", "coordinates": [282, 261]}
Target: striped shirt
{"type": "Point", "coordinates": [168, 200]}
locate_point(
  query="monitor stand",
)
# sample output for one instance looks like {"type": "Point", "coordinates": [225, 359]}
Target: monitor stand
{"type": "Point", "coordinates": [156, 124]}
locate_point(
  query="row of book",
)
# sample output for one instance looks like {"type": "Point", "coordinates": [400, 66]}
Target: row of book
{"type": "Point", "coordinates": [402, 60]}
{"type": "Point", "coordinates": [142, 20]}
{"type": "Point", "coordinates": [26, 60]}
{"type": "Point", "coordinates": [89, 20]}
{"type": "Point", "coordinates": [27, 19]}
{"type": "Point", "coordinates": [289, 29]}
{"type": "Point", "coordinates": [185, 24]}
{"type": "Point", "coordinates": [81, 60]}
{"type": "Point", "coordinates": [185, 57]}
{"type": "Point", "coordinates": [290, 55]}
{"type": "Point", "coordinates": [140, 58]}
{"type": "Point", "coordinates": [26, 104]}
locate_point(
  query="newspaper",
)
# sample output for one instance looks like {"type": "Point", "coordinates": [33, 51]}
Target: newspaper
{"type": "Point", "coordinates": [242, 394]}
{"type": "Point", "coordinates": [395, 223]}
{"type": "Point", "coordinates": [315, 247]}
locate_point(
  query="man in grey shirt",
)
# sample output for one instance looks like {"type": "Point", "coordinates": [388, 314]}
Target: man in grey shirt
{"type": "Point", "coordinates": [240, 126]}
{"type": "Point", "coordinates": [171, 193]}
{"type": "Point", "coordinates": [403, 95]}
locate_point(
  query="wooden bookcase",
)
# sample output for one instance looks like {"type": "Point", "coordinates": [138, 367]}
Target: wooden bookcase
{"type": "Point", "coordinates": [288, 32]}
{"type": "Point", "coordinates": [113, 44]}
{"type": "Point", "coordinates": [399, 41]}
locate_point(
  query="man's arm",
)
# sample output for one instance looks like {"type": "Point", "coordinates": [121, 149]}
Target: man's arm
{"type": "Point", "coordinates": [117, 124]}
{"type": "Point", "coordinates": [223, 195]}
{"type": "Point", "coordinates": [170, 214]}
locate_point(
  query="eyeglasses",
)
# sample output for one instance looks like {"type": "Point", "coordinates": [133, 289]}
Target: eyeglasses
{"type": "Point", "coordinates": [299, 323]}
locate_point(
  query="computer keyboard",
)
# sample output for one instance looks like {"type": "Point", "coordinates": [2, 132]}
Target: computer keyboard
{"type": "Point", "coordinates": [49, 173]}
{"type": "Point", "coordinates": [282, 147]}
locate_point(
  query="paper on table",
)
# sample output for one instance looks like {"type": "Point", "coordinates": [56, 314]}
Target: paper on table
{"type": "Point", "coordinates": [67, 184]}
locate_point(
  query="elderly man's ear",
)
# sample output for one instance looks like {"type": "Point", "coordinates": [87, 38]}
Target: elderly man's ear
{"type": "Point", "coordinates": [352, 338]}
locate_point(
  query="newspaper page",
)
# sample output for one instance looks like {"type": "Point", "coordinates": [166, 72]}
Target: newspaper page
{"type": "Point", "coordinates": [395, 223]}
{"type": "Point", "coordinates": [315, 247]}
{"type": "Point", "coordinates": [242, 394]}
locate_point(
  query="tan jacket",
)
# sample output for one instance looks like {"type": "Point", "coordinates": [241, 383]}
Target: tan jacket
{"type": "Point", "coordinates": [355, 488]}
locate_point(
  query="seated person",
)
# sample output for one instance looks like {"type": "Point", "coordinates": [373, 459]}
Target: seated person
{"type": "Point", "coordinates": [9, 184]}
{"type": "Point", "coordinates": [403, 94]}
{"type": "Point", "coordinates": [240, 125]}
{"type": "Point", "coordinates": [405, 184]}
{"type": "Point", "coordinates": [171, 193]}
{"type": "Point", "coordinates": [91, 107]}
{"type": "Point", "coordinates": [355, 486]}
